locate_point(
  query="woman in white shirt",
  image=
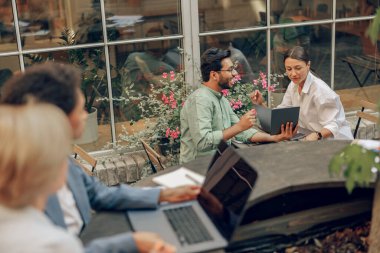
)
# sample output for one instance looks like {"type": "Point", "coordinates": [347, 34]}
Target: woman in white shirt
{"type": "Point", "coordinates": [35, 143]}
{"type": "Point", "coordinates": [320, 108]}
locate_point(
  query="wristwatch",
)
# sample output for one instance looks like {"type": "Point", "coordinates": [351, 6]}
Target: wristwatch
{"type": "Point", "coordinates": [320, 136]}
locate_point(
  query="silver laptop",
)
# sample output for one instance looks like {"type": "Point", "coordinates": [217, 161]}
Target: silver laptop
{"type": "Point", "coordinates": [272, 119]}
{"type": "Point", "coordinates": [209, 222]}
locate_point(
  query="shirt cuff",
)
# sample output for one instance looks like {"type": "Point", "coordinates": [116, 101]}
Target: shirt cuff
{"type": "Point", "coordinates": [217, 137]}
{"type": "Point", "coordinates": [333, 128]}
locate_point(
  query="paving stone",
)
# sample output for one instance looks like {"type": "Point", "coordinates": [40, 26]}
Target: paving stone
{"type": "Point", "coordinates": [113, 178]}
{"type": "Point", "coordinates": [121, 170]}
{"type": "Point", "coordinates": [133, 174]}
{"type": "Point", "coordinates": [101, 173]}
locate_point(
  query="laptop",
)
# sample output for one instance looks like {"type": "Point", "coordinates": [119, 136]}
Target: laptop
{"type": "Point", "coordinates": [209, 222]}
{"type": "Point", "coordinates": [272, 119]}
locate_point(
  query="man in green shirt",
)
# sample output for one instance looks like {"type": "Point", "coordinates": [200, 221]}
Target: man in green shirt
{"type": "Point", "coordinates": [207, 117]}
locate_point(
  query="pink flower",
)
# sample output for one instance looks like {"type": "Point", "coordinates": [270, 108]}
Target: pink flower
{"type": "Point", "coordinates": [164, 75]}
{"type": "Point", "coordinates": [225, 92]}
{"type": "Point", "coordinates": [183, 103]}
{"type": "Point", "coordinates": [271, 88]}
{"type": "Point", "coordinates": [167, 132]}
{"type": "Point", "coordinates": [264, 84]}
{"type": "Point", "coordinates": [172, 75]}
{"type": "Point", "coordinates": [263, 76]}
{"type": "Point", "coordinates": [174, 104]}
{"type": "Point", "coordinates": [165, 99]}
{"type": "Point", "coordinates": [255, 82]}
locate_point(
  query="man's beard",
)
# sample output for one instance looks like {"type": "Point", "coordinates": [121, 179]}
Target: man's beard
{"type": "Point", "coordinates": [225, 85]}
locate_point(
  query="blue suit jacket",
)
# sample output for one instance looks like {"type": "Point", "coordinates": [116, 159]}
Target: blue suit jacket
{"type": "Point", "coordinates": [89, 194]}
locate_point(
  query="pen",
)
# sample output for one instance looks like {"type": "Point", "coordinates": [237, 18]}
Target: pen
{"type": "Point", "coordinates": [194, 180]}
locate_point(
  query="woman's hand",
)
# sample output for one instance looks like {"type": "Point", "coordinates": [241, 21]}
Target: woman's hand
{"type": "Point", "coordinates": [256, 97]}
{"type": "Point", "coordinates": [179, 194]}
{"type": "Point", "coordinates": [147, 242]}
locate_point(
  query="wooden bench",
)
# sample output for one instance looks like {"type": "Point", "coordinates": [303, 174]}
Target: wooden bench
{"type": "Point", "coordinates": [369, 62]}
{"type": "Point", "coordinates": [86, 157]}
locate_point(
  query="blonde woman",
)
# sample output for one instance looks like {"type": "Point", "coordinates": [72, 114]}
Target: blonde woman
{"type": "Point", "coordinates": [35, 143]}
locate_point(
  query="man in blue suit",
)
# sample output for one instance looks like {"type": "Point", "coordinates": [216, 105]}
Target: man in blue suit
{"type": "Point", "coordinates": [59, 84]}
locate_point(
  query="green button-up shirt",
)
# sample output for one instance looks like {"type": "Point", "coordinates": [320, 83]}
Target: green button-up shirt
{"type": "Point", "coordinates": [204, 116]}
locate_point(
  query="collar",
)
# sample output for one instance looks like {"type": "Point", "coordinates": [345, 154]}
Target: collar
{"type": "Point", "coordinates": [308, 81]}
{"type": "Point", "coordinates": [215, 93]}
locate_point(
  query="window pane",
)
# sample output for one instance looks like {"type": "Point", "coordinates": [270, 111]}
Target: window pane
{"type": "Point", "coordinates": [229, 14]}
{"type": "Point", "coordinates": [248, 49]}
{"type": "Point", "coordinates": [8, 65]}
{"type": "Point", "coordinates": [7, 30]}
{"type": "Point", "coordinates": [94, 86]}
{"type": "Point", "coordinates": [136, 68]}
{"type": "Point", "coordinates": [317, 41]}
{"type": "Point", "coordinates": [300, 11]}
{"type": "Point", "coordinates": [140, 19]}
{"type": "Point", "coordinates": [354, 49]}
{"type": "Point", "coordinates": [43, 21]}
{"type": "Point", "coordinates": [355, 8]}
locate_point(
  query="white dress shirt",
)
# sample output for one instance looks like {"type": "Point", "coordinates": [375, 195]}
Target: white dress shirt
{"type": "Point", "coordinates": [320, 107]}
{"type": "Point", "coordinates": [72, 217]}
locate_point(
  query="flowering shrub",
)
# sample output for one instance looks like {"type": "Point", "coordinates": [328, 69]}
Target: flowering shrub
{"type": "Point", "coordinates": [238, 96]}
{"type": "Point", "coordinates": [160, 109]}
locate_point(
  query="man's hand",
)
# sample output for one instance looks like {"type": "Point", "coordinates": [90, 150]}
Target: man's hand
{"type": "Point", "coordinates": [179, 194]}
{"type": "Point", "coordinates": [286, 133]}
{"type": "Point", "coordinates": [147, 242]}
{"type": "Point", "coordinates": [256, 97]}
{"type": "Point", "coordinates": [247, 120]}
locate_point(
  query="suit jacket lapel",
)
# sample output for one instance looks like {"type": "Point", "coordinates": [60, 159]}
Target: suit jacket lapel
{"type": "Point", "coordinates": [73, 182]}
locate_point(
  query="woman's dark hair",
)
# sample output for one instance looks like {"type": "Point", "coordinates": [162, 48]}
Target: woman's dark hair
{"type": "Point", "coordinates": [50, 82]}
{"type": "Point", "coordinates": [297, 53]}
{"type": "Point", "coordinates": [211, 60]}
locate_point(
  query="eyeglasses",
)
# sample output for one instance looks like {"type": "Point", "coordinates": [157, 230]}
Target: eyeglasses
{"type": "Point", "coordinates": [231, 70]}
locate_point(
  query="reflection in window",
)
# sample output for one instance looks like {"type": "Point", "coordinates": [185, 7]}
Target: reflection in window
{"type": "Point", "coordinates": [300, 11]}
{"type": "Point", "coordinates": [356, 62]}
{"type": "Point", "coordinates": [355, 8]}
{"type": "Point", "coordinates": [8, 65]}
{"type": "Point", "coordinates": [230, 14]}
{"type": "Point", "coordinates": [42, 21]}
{"type": "Point", "coordinates": [94, 86]}
{"type": "Point", "coordinates": [7, 31]}
{"type": "Point", "coordinates": [140, 66]}
{"type": "Point", "coordinates": [248, 49]}
{"type": "Point", "coordinates": [134, 19]}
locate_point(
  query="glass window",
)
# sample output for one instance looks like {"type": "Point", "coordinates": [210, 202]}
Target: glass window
{"type": "Point", "coordinates": [316, 39]}
{"type": "Point", "coordinates": [300, 10]}
{"type": "Point", "coordinates": [247, 49]}
{"type": "Point", "coordinates": [356, 64]}
{"type": "Point", "coordinates": [43, 21]}
{"type": "Point", "coordinates": [355, 8]}
{"type": "Point", "coordinates": [140, 19]}
{"type": "Point", "coordinates": [7, 30]}
{"type": "Point", "coordinates": [137, 67]}
{"type": "Point", "coordinates": [8, 65]}
{"type": "Point", "coordinates": [231, 14]}
{"type": "Point", "coordinates": [94, 86]}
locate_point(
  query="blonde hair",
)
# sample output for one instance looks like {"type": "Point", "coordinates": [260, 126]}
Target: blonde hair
{"type": "Point", "coordinates": [35, 141]}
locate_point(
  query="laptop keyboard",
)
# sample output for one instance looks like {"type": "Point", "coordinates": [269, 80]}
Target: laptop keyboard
{"type": "Point", "coordinates": [187, 225]}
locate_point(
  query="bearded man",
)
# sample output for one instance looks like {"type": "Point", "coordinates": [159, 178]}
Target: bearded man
{"type": "Point", "coordinates": [207, 117]}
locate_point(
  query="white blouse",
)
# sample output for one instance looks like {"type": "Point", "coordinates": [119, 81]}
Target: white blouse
{"type": "Point", "coordinates": [320, 107]}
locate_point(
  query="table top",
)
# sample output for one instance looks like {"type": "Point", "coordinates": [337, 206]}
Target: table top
{"type": "Point", "coordinates": [282, 167]}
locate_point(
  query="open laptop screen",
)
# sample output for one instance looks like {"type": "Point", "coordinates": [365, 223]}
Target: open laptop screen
{"type": "Point", "coordinates": [224, 196]}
